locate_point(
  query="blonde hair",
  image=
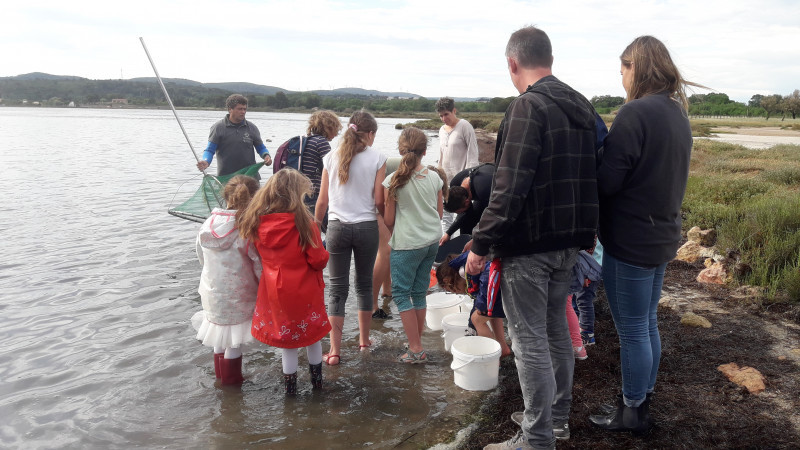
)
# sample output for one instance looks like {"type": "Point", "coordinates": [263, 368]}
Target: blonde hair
{"type": "Point", "coordinates": [238, 192]}
{"type": "Point", "coordinates": [654, 71]}
{"type": "Point", "coordinates": [412, 144]}
{"type": "Point", "coordinates": [324, 123]}
{"type": "Point", "coordinates": [354, 141]}
{"type": "Point", "coordinates": [283, 193]}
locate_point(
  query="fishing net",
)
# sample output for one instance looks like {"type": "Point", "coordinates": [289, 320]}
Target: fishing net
{"type": "Point", "coordinates": [209, 196]}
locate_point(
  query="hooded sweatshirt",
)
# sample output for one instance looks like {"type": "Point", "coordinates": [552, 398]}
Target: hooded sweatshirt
{"type": "Point", "coordinates": [544, 193]}
{"type": "Point", "coordinates": [290, 312]}
{"type": "Point", "coordinates": [231, 268]}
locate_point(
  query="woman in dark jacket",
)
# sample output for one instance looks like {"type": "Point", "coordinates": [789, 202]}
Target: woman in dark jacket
{"type": "Point", "coordinates": [641, 177]}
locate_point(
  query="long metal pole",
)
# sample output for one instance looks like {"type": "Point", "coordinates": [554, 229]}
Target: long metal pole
{"type": "Point", "coordinates": [169, 100]}
{"type": "Point", "coordinates": [206, 176]}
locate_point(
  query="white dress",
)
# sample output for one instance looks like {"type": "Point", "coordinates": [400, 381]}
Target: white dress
{"type": "Point", "coordinates": [228, 284]}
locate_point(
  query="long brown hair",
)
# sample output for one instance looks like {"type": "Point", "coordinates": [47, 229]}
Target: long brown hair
{"type": "Point", "coordinates": [412, 144]}
{"type": "Point", "coordinates": [654, 71]}
{"type": "Point", "coordinates": [238, 192]}
{"type": "Point", "coordinates": [354, 141]}
{"type": "Point", "coordinates": [283, 193]}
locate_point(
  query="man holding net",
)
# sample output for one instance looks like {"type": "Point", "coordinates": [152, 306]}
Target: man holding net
{"type": "Point", "coordinates": [233, 140]}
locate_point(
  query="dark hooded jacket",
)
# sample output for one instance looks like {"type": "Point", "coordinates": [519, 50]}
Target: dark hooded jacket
{"type": "Point", "coordinates": [544, 194]}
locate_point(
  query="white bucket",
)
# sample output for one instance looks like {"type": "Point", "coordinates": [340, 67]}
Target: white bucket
{"type": "Point", "coordinates": [454, 326]}
{"type": "Point", "coordinates": [466, 304]}
{"type": "Point", "coordinates": [440, 304]}
{"type": "Point", "coordinates": [476, 362]}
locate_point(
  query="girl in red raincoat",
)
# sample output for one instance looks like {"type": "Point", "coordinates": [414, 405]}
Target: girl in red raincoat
{"type": "Point", "coordinates": [290, 310]}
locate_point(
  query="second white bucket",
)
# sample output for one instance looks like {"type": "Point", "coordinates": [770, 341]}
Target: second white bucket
{"type": "Point", "coordinates": [440, 304]}
{"type": "Point", "coordinates": [476, 363]}
{"type": "Point", "coordinates": [455, 326]}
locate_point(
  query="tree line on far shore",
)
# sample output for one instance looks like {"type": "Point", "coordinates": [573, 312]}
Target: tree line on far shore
{"type": "Point", "coordinates": [83, 92]}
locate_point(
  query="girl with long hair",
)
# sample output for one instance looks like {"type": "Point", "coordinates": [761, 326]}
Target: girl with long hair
{"type": "Point", "coordinates": [351, 192]}
{"type": "Point", "coordinates": [290, 310]}
{"type": "Point", "coordinates": [228, 283]}
{"type": "Point", "coordinates": [413, 211]}
{"type": "Point", "coordinates": [642, 172]}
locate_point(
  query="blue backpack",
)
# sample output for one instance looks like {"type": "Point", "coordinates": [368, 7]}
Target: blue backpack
{"type": "Point", "coordinates": [290, 154]}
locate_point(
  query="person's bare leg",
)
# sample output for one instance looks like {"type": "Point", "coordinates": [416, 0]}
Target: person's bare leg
{"type": "Point", "coordinates": [481, 325]}
{"type": "Point", "coordinates": [337, 324]}
{"type": "Point", "coordinates": [411, 327]}
{"type": "Point", "coordinates": [381, 272]}
{"type": "Point", "coordinates": [500, 335]}
{"type": "Point", "coordinates": [364, 322]}
{"type": "Point", "coordinates": [420, 314]}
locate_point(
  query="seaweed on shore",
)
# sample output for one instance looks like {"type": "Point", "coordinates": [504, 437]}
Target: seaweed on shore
{"type": "Point", "coordinates": [695, 405]}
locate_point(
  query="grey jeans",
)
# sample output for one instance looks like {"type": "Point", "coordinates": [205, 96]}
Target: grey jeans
{"type": "Point", "coordinates": [534, 291]}
{"type": "Point", "coordinates": [343, 240]}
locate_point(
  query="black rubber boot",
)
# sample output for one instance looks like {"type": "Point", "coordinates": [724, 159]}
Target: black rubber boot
{"type": "Point", "coordinates": [316, 375]}
{"type": "Point", "coordinates": [625, 418]}
{"type": "Point", "coordinates": [290, 383]}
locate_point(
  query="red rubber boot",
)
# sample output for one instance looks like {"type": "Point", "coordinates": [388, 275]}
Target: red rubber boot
{"type": "Point", "coordinates": [231, 371]}
{"type": "Point", "coordinates": [217, 366]}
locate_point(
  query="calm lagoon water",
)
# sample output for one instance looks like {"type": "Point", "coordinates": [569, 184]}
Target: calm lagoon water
{"type": "Point", "coordinates": [98, 282]}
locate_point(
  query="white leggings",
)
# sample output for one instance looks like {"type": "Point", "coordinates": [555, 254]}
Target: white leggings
{"type": "Point", "coordinates": [289, 357]}
{"type": "Point", "coordinates": [230, 352]}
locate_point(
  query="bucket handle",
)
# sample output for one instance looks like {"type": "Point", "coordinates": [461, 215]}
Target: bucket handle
{"type": "Point", "coordinates": [453, 365]}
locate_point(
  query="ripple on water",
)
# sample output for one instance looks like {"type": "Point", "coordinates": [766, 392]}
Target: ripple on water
{"type": "Point", "coordinates": [98, 291]}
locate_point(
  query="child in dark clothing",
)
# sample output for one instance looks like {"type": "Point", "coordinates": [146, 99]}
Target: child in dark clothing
{"type": "Point", "coordinates": [484, 288]}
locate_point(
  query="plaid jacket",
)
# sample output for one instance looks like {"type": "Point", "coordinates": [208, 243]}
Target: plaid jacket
{"type": "Point", "coordinates": [544, 193]}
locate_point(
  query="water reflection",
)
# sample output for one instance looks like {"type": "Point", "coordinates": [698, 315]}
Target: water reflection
{"type": "Point", "coordinates": [97, 286]}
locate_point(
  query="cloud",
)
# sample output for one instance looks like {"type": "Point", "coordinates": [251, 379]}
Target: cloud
{"type": "Point", "coordinates": [429, 48]}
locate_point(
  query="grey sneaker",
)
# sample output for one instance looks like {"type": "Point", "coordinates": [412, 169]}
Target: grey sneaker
{"type": "Point", "coordinates": [517, 442]}
{"type": "Point", "coordinates": [561, 432]}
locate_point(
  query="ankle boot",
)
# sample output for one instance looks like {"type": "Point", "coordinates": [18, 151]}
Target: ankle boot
{"type": "Point", "coordinates": [231, 371]}
{"type": "Point", "coordinates": [607, 408]}
{"type": "Point", "coordinates": [316, 375]}
{"type": "Point", "coordinates": [290, 383]}
{"type": "Point", "coordinates": [625, 418]}
{"type": "Point", "coordinates": [217, 366]}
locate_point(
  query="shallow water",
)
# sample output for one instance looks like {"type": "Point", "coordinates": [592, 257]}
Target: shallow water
{"type": "Point", "coordinates": [98, 283]}
{"type": "Point", "coordinates": [755, 142]}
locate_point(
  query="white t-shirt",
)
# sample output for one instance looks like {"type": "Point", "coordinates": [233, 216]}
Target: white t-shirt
{"type": "Point", "coordinates": [458, 148]}
{"type": "Point", "coordinates": [354, 201]}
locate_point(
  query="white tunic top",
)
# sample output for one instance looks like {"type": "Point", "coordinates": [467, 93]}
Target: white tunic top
{"type": "Point", "coordinates": [458, 148]}
{"type": "Point", "coordinates": [354, 201]}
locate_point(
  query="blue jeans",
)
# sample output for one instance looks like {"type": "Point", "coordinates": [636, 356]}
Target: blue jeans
{"type": "Point", "coordinates": [343, 240]}
{"type": "Point", "coordinates": [633, 293]}
{"type": "Point", "coordinates": [583, 303]}
{"type": "Point", "coordinates": [411, 276]}
{"type": "Point", "coordinates": [534, 288]}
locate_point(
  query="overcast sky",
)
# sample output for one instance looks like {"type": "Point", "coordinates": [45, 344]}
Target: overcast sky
{"type": "Point", "coordinates": [425, 47]}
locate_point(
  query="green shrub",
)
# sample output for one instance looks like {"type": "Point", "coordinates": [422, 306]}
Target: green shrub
{"type": "Point", "coordinates": [782, 175]}
{"type": "Point", "coordinates": [767, 235]}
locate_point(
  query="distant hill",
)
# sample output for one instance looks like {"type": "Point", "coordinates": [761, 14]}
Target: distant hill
{"type": "Point", "coordinates": [42, 89]}
{"type": "Point", "coordinates": [363, 92]}
{"type": "Point", "coordinates": [42, 76]}
{"type": "Point", "coordinates": [235, 86]}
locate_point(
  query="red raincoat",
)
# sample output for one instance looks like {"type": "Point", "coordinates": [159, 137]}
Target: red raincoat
{"type": "Point", "coordinates": [290, 310]}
